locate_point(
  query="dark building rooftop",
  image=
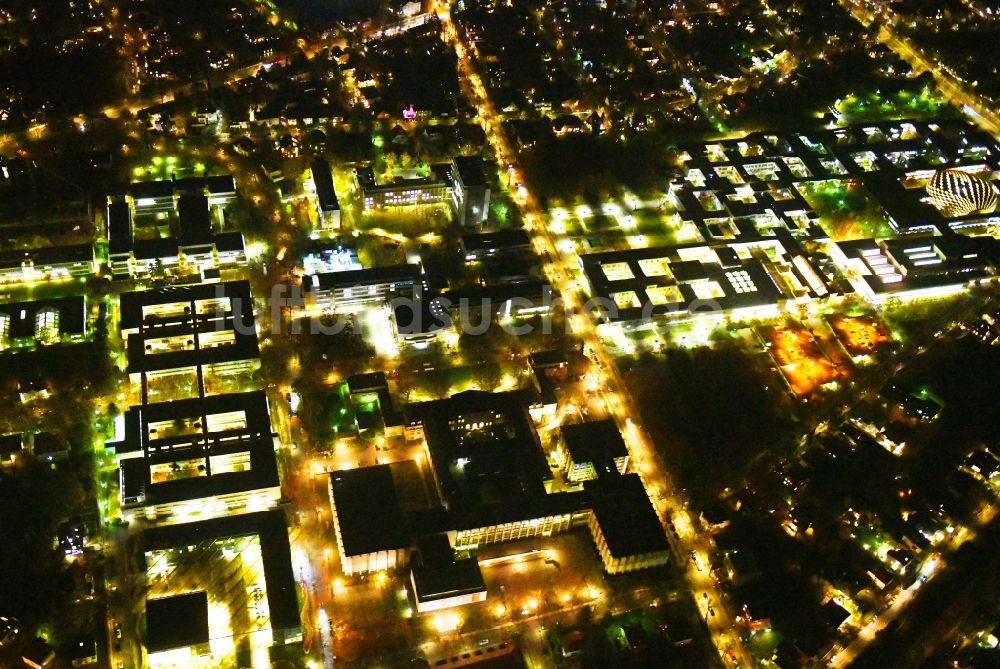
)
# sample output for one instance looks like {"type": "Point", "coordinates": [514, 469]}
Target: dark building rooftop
{"type": "Point", "coordinates": [195, 219]}
{"type": "Point", "coordinates": [323, 179]}
{"type": "Point", "coordinates": [436, 574]}
{"type": "Point", "coordinates": [368, 511]}
{"type": "Point", "coordinates": [598, 442]}
{"type": "Point", "coordinates": [470, 171]}
{"type": "Point", "coordinates": [219, 185]}
{"type": "Point", "coordinates": [502, 298]}
{"type": "Point", "coordinates": [53, 255]}
{"type": "Point", "coordinates": [47, 444]}
{"type": "Point", "coordinates": [22, 316]}
{"type": "Point", "coordinates": [420, 317]}
{"type": "Point", "coordinates": [120, 232]}
{"type": "Point", "coordinates": [375, 382]}
{"type": "Point", "coordinates": [547, 359]}
{"type": "Point", "coordinates": [369, 382]}
{"type": "Point", "coordinates": [177, 622]}
{"type": "Point", "coordinates": [144, 190]}
{"type": "Point", "coordinates": [11, 444]}
{"type": "Point", "coordinates": [487, 243]}
{"type": "Point", "coordinates": [361, 277]}
{"type": "Point", "coordinates": [191, 198]}
{"type": "Point", "coordinates": [483, 447]}
{"type": "Point", "coordinates": [271, 530]}
{"type": "Point", "coordinates": [626, 515]}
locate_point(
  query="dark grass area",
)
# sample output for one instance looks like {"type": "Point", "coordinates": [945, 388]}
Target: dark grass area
{"type": "Point", "coordinates": [596, 166]}
{"type": "Point", "coordinates": [710, 412]}
{"type": "Point", "coordinates": [963, 373]}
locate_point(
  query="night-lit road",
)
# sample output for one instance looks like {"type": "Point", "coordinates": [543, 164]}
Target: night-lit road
{"type": "Point", "coordinates": [670, 504]}
{"type": "Point", "coordinates": [956, 91]}
{"type": "Point", "coordinates": [843, 656]}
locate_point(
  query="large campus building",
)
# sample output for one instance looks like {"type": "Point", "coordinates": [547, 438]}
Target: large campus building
{"type": "Point", "coordinates": [462, 183]}
{"type": "Point", "coordinates": [217, 586]}
{"type": "Point", "coordinates": [198, 462]}
{"type": "Point", "coordinates": [916, 266]}
{"type": "Point", "coordinates": [759, 278]}
{"type": "Point", "coordinates": [494, 485]}
{"type": "Point", "coordinates": [171, 227]}
{"type": "Point", "coordinates": [198, 457]}
{"type": "Point", "coordinates": [210, 451]}
{"type": "Point", "coordinates": [202, 329]}
{"type": "Point", "coordinates": [929, 176]}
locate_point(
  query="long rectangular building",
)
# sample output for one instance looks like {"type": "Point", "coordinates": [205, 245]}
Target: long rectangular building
{"type": "Point", "coordinates": [918, 266]}
{"type": "Point", "coordinates": [56, 263]}
{"type": "Point", "coordinates": [338, 290]}
{"type": "Point", "coordinates": [689, 281]}
{"type": "Point", "coordinates": [327, 206]}
{"type": "Point", "coordinates": [462, 183]}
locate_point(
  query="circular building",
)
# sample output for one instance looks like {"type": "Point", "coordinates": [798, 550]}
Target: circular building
{"type": "Point", "coordinates": [958, 193]}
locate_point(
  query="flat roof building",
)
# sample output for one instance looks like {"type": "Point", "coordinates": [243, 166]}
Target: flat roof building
{"type": "Point", "coordinates": [49, 446]}
{"type": "Point", "coordinates": [362, 386]}
{"type": "Point", "coordinates": [439, 580]}
{"type": "Point", "coordinates": [689, 281]}
{"type": "Point", "coordinates": [200, 328]}
{"type": "Point", "coordinates": [470, 190]}
{"type": "Point", "coordinates": [748, 188]}
{"type": "Point", "coordinates": [625, 526]}
{"type": "Point", "coordinates": [327, 206]}
{"type": "Point", "coordinates": [917, 266]}
{"type": "Point", "coordinates": [481, 245]}
{"type": "Point", "coordinates": [462, 183]}
{"type": "Point", "coordinates": [11, 448]}
{"type": "Point", "coordinates": [56, 263]}
{"type": "Point", "coordinates": [508, 300]}
{"type": "Point", "coordinates": [593, 449]}
{"type": "Point", "coordinates": [177, 622]}
{"type": "Point", "coordinates": [494, 485]}
{"type": "Point", "coordinates": [483, 447]}
{"type": "Point", "coordinates": [26, 324]}
{"type": "Point", "coordinates": [421, 321]}
{"type": "Point", "coordinates": [371, 531]}
{"type": "Point", "coordinates": [186, 558]}
{"type": "Point", "coordinates": [351, 288]}
{"type": "Point", "coordinates": [194, 241]}
{"type": "Point", "coordinates": [205, 456]}
{"type": "Point", "coordinates": [401, 192]}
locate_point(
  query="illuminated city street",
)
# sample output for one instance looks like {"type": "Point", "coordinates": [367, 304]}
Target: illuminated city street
{"type": "Point", "coordinates": [526, 335]}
